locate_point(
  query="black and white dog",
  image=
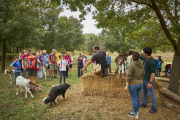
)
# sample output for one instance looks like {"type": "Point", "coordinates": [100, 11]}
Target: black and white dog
{"type": "Point", "coordinates": [55, 91]}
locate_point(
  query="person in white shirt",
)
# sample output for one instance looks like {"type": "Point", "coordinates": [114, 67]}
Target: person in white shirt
{"type": "Point", "coordinates": [62, 68]}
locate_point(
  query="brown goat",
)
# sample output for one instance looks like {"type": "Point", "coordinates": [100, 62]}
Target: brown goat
{"type": "Point", "coordinates": [119, 60]}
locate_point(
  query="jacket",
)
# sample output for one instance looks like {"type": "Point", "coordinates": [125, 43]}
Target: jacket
{"type": "Point", "coordinates": [135, 73]}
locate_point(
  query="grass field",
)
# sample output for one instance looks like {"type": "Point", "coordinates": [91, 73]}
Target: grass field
{"type": "Point", "coordinates": [73, 107]}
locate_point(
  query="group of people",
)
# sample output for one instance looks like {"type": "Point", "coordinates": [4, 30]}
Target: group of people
{"type": "Point", "coordinates": [32, 65]}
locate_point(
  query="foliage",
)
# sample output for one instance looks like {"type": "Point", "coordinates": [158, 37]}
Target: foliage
{"type": "Point", "coordinates": [132, 15]}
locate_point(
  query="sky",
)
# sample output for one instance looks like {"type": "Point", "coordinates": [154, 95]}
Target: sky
{"type": "Point", "coordinates": [89, 23]}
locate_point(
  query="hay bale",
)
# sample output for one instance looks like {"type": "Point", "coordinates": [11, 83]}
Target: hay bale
{"type": "Point", "coordinates": [95, 85]}
{"type": "Point", "coordinates": [110, 86]}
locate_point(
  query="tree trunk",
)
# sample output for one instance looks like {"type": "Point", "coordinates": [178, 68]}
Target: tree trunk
{"type": "Point", "coordinates": [175, 74]}
{"type": "Point", "coordinates": [170, 95]}
{"type": "Point", "coordinates": [3, 55]}
{"type": "Point", "coordinates": [17, 50]}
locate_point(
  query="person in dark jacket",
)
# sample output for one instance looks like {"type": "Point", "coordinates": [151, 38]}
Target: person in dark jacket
{"type": "Point", "coordinates": [80, 65]}
{"type": "Point", "coordinates": [100, 58]}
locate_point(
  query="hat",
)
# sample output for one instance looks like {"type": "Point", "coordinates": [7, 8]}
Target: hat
{"type": "Point", "coordinates": [28, 49]}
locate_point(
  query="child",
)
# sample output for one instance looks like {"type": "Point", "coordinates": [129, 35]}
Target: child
{"type": "Point", "coordinates": [16, 66]}
{"type": "Point", "coordinates": [62, 63]}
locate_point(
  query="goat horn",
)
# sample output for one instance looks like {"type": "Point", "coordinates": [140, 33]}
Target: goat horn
{"type": "Point", "coordinates": [44, 99]}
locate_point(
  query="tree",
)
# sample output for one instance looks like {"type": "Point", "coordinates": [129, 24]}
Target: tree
{"type": "Point", "coordinates": [19, 25]}
{"type": "Point", "coordinates": [92, 40]}
{"type": "Point", "coordinates": [69, 34]}
{"type": "Point", "coordinates": [114, 12]}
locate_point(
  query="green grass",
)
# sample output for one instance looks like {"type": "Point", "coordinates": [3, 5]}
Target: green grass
{"type": "Point", "coordinates": [19, 107]}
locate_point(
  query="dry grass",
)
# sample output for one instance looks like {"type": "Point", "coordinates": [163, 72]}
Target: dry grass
{"type": "Point", "coordinates": [96, 107]}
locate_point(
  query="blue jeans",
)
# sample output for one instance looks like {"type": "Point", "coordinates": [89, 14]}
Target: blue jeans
{"type": "Point", "coordinates": [64, 76]}
{"type": "Point", "coordinates": [151, 93]}
{"type": "Point", "coordinates": [134, 91]}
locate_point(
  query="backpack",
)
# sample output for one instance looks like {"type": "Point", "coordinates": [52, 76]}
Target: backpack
{"type": "Point", "coordinates": [31, 63]}
{"type": "Point", "coordinates": [150, 60]}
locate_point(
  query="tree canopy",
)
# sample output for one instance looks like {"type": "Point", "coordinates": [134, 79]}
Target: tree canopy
{"type": "Point", "coordinates": [134, 15]}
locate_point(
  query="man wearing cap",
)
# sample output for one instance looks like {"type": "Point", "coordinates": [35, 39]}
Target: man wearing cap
{"type": "Point", "coordinates": [24, 59]}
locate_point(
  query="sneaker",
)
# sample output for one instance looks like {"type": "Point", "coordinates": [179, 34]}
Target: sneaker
{"type": "Point", "coordinates": [132, 115]}
{"type": "Point", "coordinates": [55, 77]}
{"type": "Point", "coordinates": [143, 105]}
{"type": "Point", "coordinates": [52, 77]}
{"type": "Point", "coordinates": [133, 112]}
{"type": "Point", "coordinates": [153, 110]}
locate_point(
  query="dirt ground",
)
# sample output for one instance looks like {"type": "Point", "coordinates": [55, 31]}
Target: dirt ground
{"type": "Point", "coordinates": [95, 107]}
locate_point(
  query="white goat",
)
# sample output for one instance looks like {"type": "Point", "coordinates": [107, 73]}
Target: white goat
{"type": "Point", "coordinates": [45, 70]}
{"type": "Point", "coordinates": [23, 82]}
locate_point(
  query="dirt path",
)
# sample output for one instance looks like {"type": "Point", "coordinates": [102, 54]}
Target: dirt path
{"type": "Point", "coordinates": [76, 106]}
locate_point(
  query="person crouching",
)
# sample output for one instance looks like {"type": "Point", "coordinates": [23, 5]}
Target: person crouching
{"type": "Point", "coordinates": [134, 82]}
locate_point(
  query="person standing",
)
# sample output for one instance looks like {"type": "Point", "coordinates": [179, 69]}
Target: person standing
{"type": "Point", "coordinates": [40, 72]}
{"type": "Point", "coordinates": [84, 61]}
{"type": "Point", "coordinates": [16, 66]}
{"type": "Point", "coordinates": [52, 62]}
{"type": "Point", "coordinates": [45, 61]}
{"type": "Point", "coordinates": [31, 67]}
{"type": "Point", "coordinates": [80, 65]}
{"type": "Point", "coordinates": [20, 61]}
{"type": "Point", "coordinates": [58, 55]}
{"type": "Point", "coordinates": [24, 60]}
{"type": "Point", "coordinates": [149, 78]}
{"type": "Point", "coordinates": [108, 60]}
{"type": "Point", "coordinates": [100, 58]}
{"type": "Point", "coordinates": [68, 58]}
{"type": "Point", "coordinates": [159, 64]}
{"type": "Point", "coordinates": [134, 82]}
{"type": "Point", "coordinates": [62, 63]}
{"type": "Point", "coordinates": [70, 66]}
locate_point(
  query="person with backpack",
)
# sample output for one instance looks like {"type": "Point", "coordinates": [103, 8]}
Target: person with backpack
{"type": "Point", "coordinates": [31, 67]}
{"type": "Point", "coordinates": [52, 63]}
{"type": "Point", "coordinates": [149, 64]}
{"type": "Point", "coordinates": [62, 63]}
{"type": "Point", "coordinates": [24, 60]}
